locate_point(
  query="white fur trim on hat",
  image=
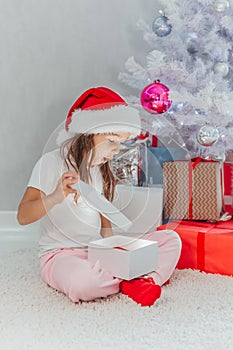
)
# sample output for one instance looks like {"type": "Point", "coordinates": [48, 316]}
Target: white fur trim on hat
{"type": "Point", "coordinates": [116, 119]}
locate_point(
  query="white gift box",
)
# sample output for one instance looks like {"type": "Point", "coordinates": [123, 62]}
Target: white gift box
{"type": "Point", "coordinates": [125, 257]}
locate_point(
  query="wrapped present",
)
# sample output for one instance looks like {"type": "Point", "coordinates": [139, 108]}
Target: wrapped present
{"type": "Point", "coordinates": [228, 187]}
{"type": "Point", "coordinates": [205, 246]}
{"type": "Point", "coordinates": [193, 190]}
{"type": "Point", "coordinates": [152, 159]}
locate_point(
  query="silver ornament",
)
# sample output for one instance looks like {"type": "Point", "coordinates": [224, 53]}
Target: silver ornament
{"type": "Point", "coordinates": [192, 44]}
{"type": "Point", "coordinates": [199, 111]}
{"type": "Point", "coordinates": [161, 27]}
{"type": "Point", "coordinates": [207, 135]}
{"type": "Point", "coordinates": [221, 68]}
{"type": "Point", "coordinates": [221, 5]}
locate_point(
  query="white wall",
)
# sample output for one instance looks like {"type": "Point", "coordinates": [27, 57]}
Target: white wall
{"type": "Point", "coordinates": [51, 51]}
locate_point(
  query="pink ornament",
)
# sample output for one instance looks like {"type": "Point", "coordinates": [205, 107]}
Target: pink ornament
{"type": "Point", "coordinates": [155, 99]}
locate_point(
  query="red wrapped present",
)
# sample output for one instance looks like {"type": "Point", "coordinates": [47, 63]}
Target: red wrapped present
{"type": "Point", "coordinates": [228, 187]}
{"type": "Point", "coordinates": [205, 246]}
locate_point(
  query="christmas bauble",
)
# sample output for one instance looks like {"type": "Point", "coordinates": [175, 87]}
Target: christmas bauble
{"type": "Point", "coordinates": [161, 27]}
{"type": "Point", "coordinates": [192, 43]}
{"type": "Point", "coordinates": [199, 111]}
{"type": "Point", "coordinates": [155, 98]}
{"type": "Point", "coordinates": [221, 68]}
{"type": "Point", "coordinates": [207, 135]}
{"type": "Point", "coordinates": [221, 5]}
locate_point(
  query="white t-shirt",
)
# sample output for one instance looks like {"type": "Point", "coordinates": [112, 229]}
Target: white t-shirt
{"type": "Point", "coordinates": [67, 224]}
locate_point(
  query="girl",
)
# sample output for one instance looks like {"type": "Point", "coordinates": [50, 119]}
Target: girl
{"type": "Point", "coordinates": [96, 125]}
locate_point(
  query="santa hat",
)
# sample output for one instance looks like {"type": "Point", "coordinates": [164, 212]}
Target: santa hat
{"type": "Point", "coordinates": [100, 110]}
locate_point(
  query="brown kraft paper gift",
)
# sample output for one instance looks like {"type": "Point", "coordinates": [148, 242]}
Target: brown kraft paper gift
{"type": "Point", "coordinates": [193, 190]}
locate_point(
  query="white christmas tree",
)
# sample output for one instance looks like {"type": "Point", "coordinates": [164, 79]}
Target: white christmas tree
{"type": "Point", "coordinates": [191, 52]}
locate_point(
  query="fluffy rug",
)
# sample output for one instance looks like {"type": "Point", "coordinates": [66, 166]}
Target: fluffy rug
{"type": "Point", "coordinates": [194, 312]}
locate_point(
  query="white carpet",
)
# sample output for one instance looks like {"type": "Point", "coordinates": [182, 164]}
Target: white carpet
{"type": "Point", "coordinates": [194, 312]}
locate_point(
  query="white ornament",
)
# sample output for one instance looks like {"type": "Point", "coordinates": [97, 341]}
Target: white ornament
{"type": "Point", "coordinates": [221, 68]}
{"type": "Point", "coordinates": [161, 27]}
{"type": "Point", "coordinates": [192, 43]}
{"type": "Point", "coordinates": [207, 135]}
{"type": "Point", "coordinates": [221, 5]}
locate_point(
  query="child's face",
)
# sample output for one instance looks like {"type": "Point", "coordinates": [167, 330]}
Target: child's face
{"type": "Point", "coordinates": [107, 145]}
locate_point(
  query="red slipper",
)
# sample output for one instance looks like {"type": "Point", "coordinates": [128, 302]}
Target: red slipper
{"type": "Point", "coordinates": [142, 290]}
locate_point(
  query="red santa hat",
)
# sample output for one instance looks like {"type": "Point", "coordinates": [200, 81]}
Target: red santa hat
{"type": "Point", "coordinates": [100, 110]}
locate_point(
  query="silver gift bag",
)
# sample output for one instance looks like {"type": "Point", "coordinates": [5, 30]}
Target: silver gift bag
{"type": "Point", "coordinates": [125, 165]}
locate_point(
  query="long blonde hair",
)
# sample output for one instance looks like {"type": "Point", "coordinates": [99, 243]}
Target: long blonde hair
{"type": "Point", "coordinates": [78, 153]}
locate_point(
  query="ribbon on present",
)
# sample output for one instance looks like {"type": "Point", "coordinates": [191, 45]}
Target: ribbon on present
{"type": "Point", "coordinates": [201, 236]}
{"type": "Point", "coordinates": [228, 187]}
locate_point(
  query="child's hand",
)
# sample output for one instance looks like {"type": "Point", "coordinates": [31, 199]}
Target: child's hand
{"type": "Point", "coordinates": [64, 186]}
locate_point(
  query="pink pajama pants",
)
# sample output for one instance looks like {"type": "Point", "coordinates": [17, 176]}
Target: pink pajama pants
{"type": "Point", "coordinates": [68, 270]}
